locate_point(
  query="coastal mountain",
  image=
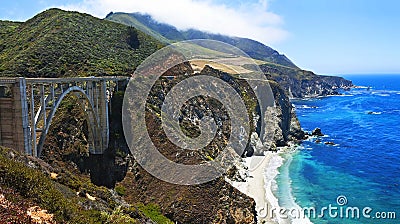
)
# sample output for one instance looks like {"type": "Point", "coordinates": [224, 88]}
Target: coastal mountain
{"type": "Point", "coordinates": [56, 43]}
{"type": "Point", "coordinates": [169, 34]}
{"type": "Point", "coordinates": [297, 83]}
{"type": "Point", "coordinates": [66, 180]}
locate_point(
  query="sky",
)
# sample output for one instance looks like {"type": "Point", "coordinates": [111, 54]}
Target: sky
{"type": "Point", "coordinates": [331, 37]}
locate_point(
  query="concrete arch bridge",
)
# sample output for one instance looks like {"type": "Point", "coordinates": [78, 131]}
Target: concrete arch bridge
{"type": "Point", "coordinates": [28, 106]}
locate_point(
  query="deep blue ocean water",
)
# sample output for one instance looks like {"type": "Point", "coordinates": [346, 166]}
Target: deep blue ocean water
{"type": "Point", "coordinates": [364, 166]}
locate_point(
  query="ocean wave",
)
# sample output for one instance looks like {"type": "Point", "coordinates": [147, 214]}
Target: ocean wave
{"type": "Point", "coordinates": [306, 107]}
{"type": "Point", "coordinates": [345, 95]}
{"type": "Point", "coordinates": [358, 93]}
{"type": "Point", "coordinates": [270, 174]}
{"type": "Point", "coordinates": [362, 87]}
{"type": "Point", "coordinates": [271, 185]}
{"type": "Point", "coordinates": [385, 93]}
{"type": "Point", "coordinates": [290, 198]}
{"type": "Point", "coordinates": [374, 113]}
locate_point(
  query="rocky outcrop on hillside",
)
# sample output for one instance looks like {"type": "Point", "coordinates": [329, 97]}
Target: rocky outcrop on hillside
{"type": "Point", "coordinates": [300, 83]}
{"type": "Point", "coordinates": [281, 123]}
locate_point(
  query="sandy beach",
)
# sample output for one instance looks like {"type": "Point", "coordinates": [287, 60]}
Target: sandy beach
{"type": "Point", "coordinates": [261, 172]}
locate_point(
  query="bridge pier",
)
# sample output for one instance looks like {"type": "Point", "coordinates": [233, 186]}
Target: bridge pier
{"type": "Point", "coordinates": [14, 124]}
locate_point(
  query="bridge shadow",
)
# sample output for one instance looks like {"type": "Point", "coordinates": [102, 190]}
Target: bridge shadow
{"type": "Point", "coordinates": [111, 167]}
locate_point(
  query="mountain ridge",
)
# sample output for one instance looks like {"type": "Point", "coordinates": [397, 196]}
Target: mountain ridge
{"type": "Point", "coordinates": [169, 34]}
{"type": "Point", "coordinates": [296, 82]}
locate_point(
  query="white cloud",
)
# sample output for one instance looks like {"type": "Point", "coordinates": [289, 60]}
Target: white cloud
{"type": "Point", "coordinates": [251, 19]}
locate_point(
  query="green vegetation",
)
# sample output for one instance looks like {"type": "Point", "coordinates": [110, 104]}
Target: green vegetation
{"type": "Point", "coordinates": [6, 29]}
{"type": "Point", "coordinates": [121, 190]}
{"type": "Point", "coordinates": [132, 21]}
{"type": "Point", "coordinates": [56, 43]}
{"type": "Point", "coordinates": [32, 183]}
{"type": "Point", "coordinates": [118, 216]}
{"type": "Point", "coordinates": [153, 212]}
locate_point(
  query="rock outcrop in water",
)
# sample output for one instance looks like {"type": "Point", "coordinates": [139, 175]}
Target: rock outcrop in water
{"type": "Point", "coordinates": [317, 132]}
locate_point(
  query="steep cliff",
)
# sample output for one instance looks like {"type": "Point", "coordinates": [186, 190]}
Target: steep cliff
{"type": "Point", "coordinates": [300, 83]}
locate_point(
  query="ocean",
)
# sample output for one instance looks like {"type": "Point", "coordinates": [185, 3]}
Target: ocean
{"type": "Point", "coordinates": [358, 178]}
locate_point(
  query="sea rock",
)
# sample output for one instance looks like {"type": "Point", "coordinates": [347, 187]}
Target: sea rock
{"type": "Point", "coordinates": [296, 132]}
{"type": "Point", "coordinates": [317, 132]}
{"type": "Point", "coordinates": [329, 143]}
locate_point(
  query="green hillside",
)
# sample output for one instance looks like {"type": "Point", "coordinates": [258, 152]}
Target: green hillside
{"type": "Point", "coordinates": [168, 34]}
{"type": "Point", "coordinates": [132, 21]}
{"type": "Point", "coordinates": [6, 29]}
{"type": "Point", "coordinates": [57, 43]}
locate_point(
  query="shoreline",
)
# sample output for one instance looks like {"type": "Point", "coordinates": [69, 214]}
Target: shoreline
{"type": "Point", "coordinates": [254, 186]}
{"type": "Point", "coordinates": [260, 177]}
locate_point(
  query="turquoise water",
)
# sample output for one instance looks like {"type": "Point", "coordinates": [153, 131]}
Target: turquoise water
{"type": "Point", "coordinates": [364, 166]}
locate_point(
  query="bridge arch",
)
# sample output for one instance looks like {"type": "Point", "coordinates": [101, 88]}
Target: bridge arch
{"type": "Point", "coordinates": [90, 115]}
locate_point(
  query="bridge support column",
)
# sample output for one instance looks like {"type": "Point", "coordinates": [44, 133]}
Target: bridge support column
{"type": "Point", "coordinates": [100, 99]}
{"type": "Point", "coordinates": [103, 110]}
{"type": "Point", "coordinates": [21, 135]}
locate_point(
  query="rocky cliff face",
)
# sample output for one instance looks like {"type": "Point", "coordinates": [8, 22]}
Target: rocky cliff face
{"type": "Point", "coordinates": [282, 125]}
{"type": "Point", "coordinates": [300, 83]}
{"type": "Point", "coordinates": [216, 201]}
{"type": "Point", "coordinates": [213, 202]}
